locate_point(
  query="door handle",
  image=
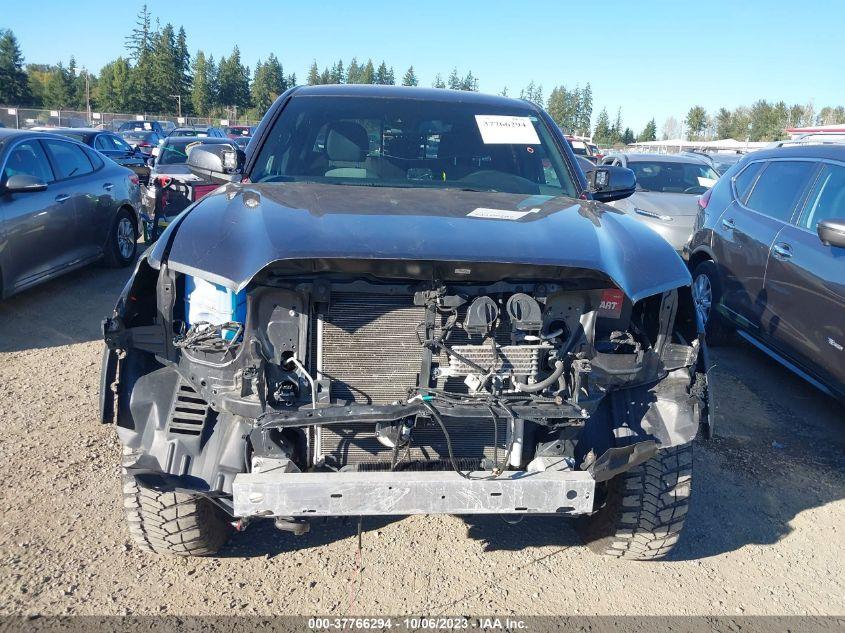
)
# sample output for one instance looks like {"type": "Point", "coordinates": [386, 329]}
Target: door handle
{"type": "Point", "coordinates": [62, 197]}
{"type": "Point", "coordinates": [108, 186]}
{"type": "Point", "coordinates": [729, 224]}
{"type": "Point", "coordinates": [782, 250]}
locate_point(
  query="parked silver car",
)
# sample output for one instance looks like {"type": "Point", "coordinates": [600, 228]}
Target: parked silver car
{"type": "Point", "coordinates": [62, 205]}
{"type": "Point", "coordinates": [668, 187]}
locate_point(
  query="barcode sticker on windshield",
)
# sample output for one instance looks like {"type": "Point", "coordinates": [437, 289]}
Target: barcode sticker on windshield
{"type": "Point", "coordinates": [505, 130]}
{"type": "Point", "coordinates": [499, 214]}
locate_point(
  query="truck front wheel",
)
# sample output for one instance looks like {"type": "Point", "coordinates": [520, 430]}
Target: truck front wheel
{"type": "Point", "coordinates": [173, 522]}
{"type": "Point", "coordinates": [644, 509]}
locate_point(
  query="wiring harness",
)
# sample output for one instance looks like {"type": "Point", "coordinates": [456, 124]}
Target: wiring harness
{"type": "Point", "coordinates": [209, 337]}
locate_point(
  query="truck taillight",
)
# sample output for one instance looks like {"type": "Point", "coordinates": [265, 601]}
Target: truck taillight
{"type": "Point", "coordinates": [704, 200]}
{"type": "Point", "coordinates": [134, 179]}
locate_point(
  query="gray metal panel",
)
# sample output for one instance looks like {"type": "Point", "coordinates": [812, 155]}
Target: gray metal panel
{"type": "Point", "coordinates": [401, 493]}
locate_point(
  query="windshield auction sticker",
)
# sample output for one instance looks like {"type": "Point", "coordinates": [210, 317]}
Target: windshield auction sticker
{"type": "Point", "coordinates": [506, 130]}
{"type": "Point", "coordinates": [499, 214]}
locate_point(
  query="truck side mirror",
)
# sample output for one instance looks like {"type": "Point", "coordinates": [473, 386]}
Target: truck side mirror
{"type": "Point", "coordinates": [611, 182]}
{"type": "Point", "coordinates": [219, 163]}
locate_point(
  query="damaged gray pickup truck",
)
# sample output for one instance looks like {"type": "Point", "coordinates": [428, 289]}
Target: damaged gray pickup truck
{"type": "Point", "coordinates": [405, 301]}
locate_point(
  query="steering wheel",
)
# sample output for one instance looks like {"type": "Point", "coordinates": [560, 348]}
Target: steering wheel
{"type": "Point", "coordinates": [501, 181]}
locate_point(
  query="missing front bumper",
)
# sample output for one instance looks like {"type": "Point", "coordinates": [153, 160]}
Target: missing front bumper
{"type": "Point", "coordinates": [401, 493]}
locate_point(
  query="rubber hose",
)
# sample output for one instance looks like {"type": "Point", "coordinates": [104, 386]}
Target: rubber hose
{"type": "Point", "coordinates": [543, 384]}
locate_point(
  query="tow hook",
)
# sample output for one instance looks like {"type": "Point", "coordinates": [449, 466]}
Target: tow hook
{"type": "Point", "coordinates": [298, 527]}
{"type": "Point", "coordinates": [241, 524]}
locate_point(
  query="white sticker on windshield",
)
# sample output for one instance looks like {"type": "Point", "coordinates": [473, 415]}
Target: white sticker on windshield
{"type": "Point", "coordinates": [706, 182]}
{"type": "Point", "coordinates": [500, 214]}
{"type": "Point", "coordinates": [499, 130]}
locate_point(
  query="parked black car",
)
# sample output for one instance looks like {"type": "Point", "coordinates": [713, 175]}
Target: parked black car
{"type": "Point", "coordinates": [62, 205]}
{"type": "Point", "coordinates": [142, 141]}
{"type": "Point", "coordinates": [242, 141]}
{"type": "Point", "coordinates": [142, 126]}
{"type": "Point", "coordinates": [719, 161]}
{"type": "Point", "coordinates": [768, 259]}
{"type": "Point", "coordinates": [200, 131]}
{"type": "Point", "coordinates": [111, 145]}
{"type": "Point", "coordinates": [405, 301]}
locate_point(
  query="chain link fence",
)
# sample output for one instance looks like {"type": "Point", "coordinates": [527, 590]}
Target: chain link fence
{"type": "Point", "coordinates": [26, 118]}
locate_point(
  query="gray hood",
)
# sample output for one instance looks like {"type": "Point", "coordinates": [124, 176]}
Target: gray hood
{"type": "Point", "coordinates": [232, 234]}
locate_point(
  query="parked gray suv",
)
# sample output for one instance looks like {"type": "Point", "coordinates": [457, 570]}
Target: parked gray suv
{"type": "Point", "coordinates": [768, 259]}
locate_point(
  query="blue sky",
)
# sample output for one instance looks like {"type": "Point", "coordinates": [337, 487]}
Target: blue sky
{"type": "Point", "coordinates": [654, 58]}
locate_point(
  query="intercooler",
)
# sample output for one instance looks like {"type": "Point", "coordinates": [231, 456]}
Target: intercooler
{"type": "Point", "coordinates": [371, 353]}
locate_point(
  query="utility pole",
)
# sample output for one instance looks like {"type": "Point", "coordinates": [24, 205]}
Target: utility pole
{"type": "Point", "coordinates": [87, 95]}
{"type": "Point", "coordinates": [178, 104]}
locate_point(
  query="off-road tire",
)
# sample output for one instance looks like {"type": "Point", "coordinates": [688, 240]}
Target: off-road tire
{"type": "Point", "coordinates": [173, 522]}
{"type": "Point", "coordinates": [112, 255]}
{"type": "Point", "coordinates": [717, 330]}
{"type": "Point", "coordinates": [644, 509]}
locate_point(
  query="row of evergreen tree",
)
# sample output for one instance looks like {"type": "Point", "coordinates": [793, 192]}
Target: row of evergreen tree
{"type": "Point", "coordinates": [763, 121]}
{"type": "Point", "coordinates": [159, 75]}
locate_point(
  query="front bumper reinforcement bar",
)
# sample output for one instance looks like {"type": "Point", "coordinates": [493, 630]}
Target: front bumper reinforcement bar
{"type": "Point", "coordinates": [404, 492]}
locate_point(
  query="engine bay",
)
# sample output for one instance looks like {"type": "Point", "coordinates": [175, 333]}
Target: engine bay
{"type": "Point", "coordinates": [332, 371]}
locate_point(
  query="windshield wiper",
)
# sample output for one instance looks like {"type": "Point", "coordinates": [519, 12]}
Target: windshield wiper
{"type": "Point", "coordinates": [359, 184]}
{"type": "Point", "coordinates": [472, 189]}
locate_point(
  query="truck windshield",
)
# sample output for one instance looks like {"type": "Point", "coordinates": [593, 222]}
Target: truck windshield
{"type": "Point", "coordinates": [417, 143]}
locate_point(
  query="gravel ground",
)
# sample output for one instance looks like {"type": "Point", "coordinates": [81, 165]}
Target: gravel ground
{"type": "Point", "coordinates": [764, 536]}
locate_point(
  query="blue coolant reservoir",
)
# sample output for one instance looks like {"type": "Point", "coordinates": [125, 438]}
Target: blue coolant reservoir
{"type": "Point", "coordinates": [212, 303]}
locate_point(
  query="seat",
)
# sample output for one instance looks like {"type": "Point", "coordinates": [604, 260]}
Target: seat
{"type": "Point", "coordinates": [455, 152]}
{"type": "Point", "coordinates": [347, 145]}
{"type": "Point", "coordinates": [24, 161]}
{"type": "Point", "coordinates": [399, 153]}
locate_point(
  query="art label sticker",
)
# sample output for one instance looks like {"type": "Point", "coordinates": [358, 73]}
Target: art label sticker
{"type": "Point", "coordinates": [506, 130]}
{"type": "Point", "coordinates": [611, 303]}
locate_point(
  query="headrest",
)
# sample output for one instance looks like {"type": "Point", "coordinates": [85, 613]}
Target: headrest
{"type": "Point", "coordinates": [347, 141]}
